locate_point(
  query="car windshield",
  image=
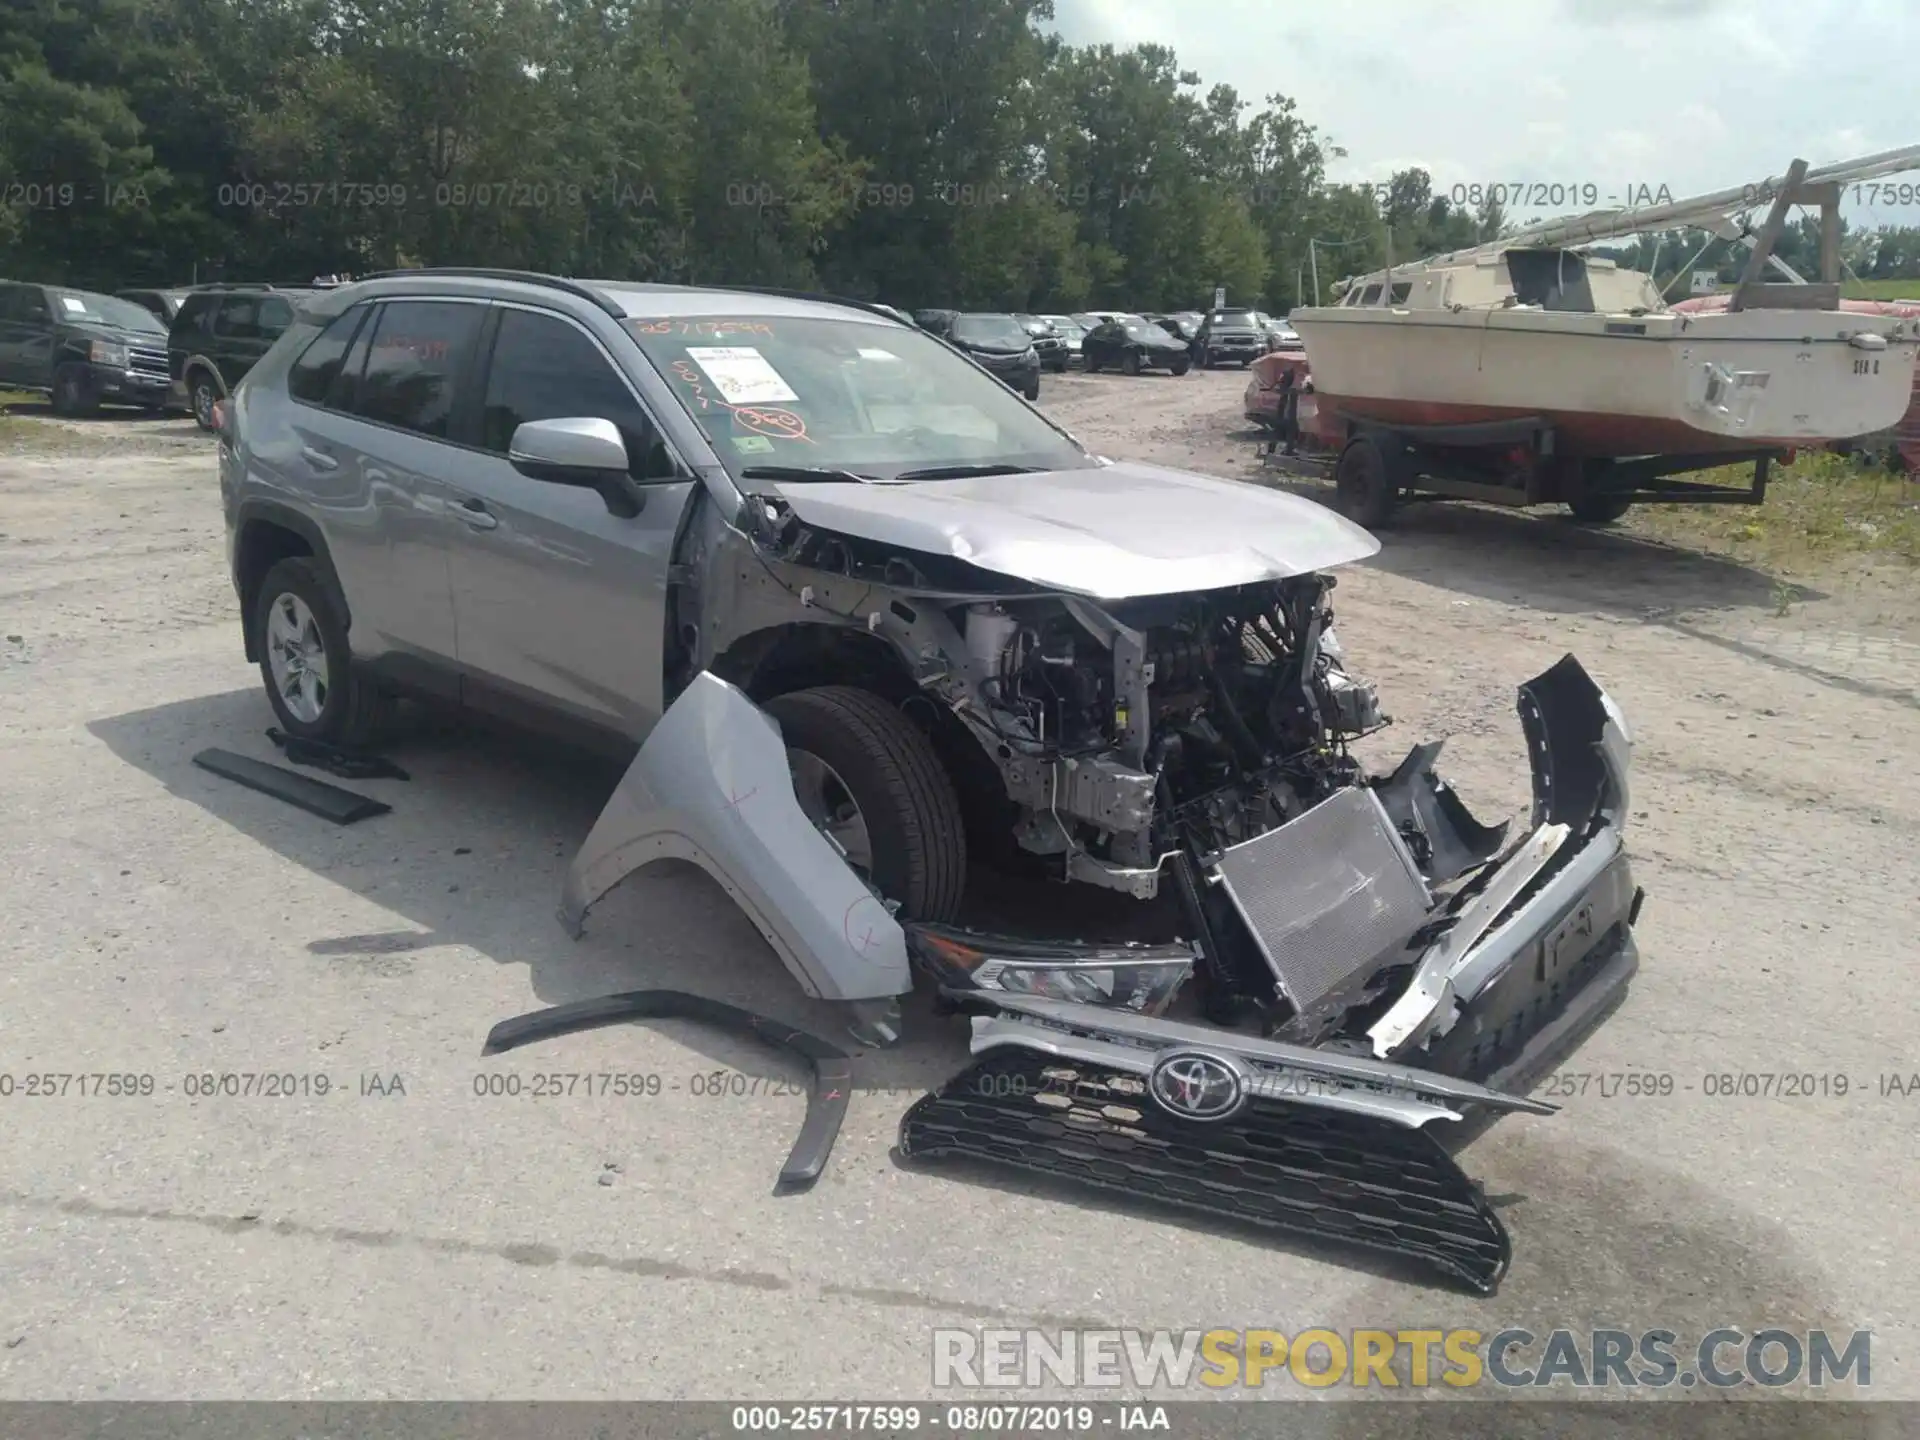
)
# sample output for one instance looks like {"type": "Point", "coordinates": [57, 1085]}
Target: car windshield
{"type": "Point", "coordinates": [1232, 317]}
{"type": "Point", "coordinates": [1143, 330]}
{"type": "Point", "coordinates": [1001, 331]}
{"type": "Point", "coordinates": [830, 394]}
{"type": "Point", "coordinates": [89, 309]}
{"type": "Point", "coordinates": [1070, 329]}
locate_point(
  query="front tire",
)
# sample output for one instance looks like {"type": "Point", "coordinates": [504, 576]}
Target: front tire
{"type": "Point", "coordinates": [1130, 363]}
{"type": "Point", "coordinates": [1181, 366]}
{"type": "Point", "coordinates": [1032, 389]}
{"type": "Point", "coordinates": [872, 782]}
{"type": "Point", "coordinates": [73, 392]}
{"type": "Point", "coordinates": [305, 662]}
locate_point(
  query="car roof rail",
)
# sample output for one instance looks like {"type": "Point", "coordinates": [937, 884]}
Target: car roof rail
{"type": "Point", "coordinates": [528, 277]}
{"type": "Point", "coordinates": [872, 307]}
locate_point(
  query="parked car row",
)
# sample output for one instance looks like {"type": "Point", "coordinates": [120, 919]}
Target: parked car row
{"type": "Point", "coordinates": [155, 349]}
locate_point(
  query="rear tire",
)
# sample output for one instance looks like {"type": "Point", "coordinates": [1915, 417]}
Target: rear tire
{"type": "Point", "coordinates": [1367, 484]}
{"type": "Point", "coordinates": [328, 699]}
{"type": "Point", "coordinates": [902, 793]}
{"type": "Point", "coordinates": [202, 393]}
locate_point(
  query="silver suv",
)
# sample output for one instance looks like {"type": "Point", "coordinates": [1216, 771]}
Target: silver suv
{"type": "Point", "coordinates": [868, 617]}
{"type": "Point", "coordinates": [588, 505]}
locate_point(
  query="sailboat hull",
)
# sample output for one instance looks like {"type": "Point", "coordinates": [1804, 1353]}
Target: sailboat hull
{"type": "Point", "coordinates": [1618, 385]}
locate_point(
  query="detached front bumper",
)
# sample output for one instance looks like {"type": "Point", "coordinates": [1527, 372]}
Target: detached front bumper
{"type": "Point", "coordinates": [1333, 1139]}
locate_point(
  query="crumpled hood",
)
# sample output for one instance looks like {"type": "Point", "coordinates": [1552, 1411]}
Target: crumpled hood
{"type": "Point", "coordinates": [1109, 532]}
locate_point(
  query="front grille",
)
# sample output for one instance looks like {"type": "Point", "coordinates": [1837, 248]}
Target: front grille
{"type": "Point", "coordinates": [1328, 894]}
{"type": "Point", "coordinates": [147, 363]}
{"type": "Point", "coordinates": [1305, 1169]}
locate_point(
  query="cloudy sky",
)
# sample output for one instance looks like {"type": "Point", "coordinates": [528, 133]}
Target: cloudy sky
{"type": "Point", "coordinates": [1696, 95]}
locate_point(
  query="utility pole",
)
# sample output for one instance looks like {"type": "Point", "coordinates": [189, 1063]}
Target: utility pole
{"type": "Point", "coordinates": [1313, 259]}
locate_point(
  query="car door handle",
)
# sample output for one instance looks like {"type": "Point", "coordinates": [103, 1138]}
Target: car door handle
{"type": "Point", "coordinates": [319, 459]}
{"type": "Point", "coordinates": [476, 514]}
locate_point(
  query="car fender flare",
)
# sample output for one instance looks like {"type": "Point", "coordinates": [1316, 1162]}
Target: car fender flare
{"type": "Point", "coordinates": [711, 786]}
{"type": "Point", "coordinates": [202, 362]}
{"type": "Point", "coordinates": [259, 510]}
{"type": "Point", "coordinates": [832, 1067]}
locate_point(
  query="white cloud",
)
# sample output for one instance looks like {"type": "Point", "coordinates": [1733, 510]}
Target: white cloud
{"type": "Point", "coordinates": [1696, 95]}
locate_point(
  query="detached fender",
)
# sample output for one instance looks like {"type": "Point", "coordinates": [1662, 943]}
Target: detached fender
{"type": "Point", "coordinates": [711, 786]}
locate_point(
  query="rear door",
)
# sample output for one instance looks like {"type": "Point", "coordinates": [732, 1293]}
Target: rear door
{"type": "Point", "coordinates": [560, 604]}
{"type": "Point", "coordinates": [376, 448]}
{"type": "Point", "coordinates": [244, 328]}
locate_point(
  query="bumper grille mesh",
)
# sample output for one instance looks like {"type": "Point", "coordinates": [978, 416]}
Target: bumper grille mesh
{"type": "Point", "coordinates": [1299, 1168]}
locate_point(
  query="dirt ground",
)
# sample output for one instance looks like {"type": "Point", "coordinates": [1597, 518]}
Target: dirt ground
{"type": "Point", "coordinates": [409, 1235]}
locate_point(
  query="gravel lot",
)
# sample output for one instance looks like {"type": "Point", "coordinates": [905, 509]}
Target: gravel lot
{"type": "Point", "coordinates": [444, 1244]}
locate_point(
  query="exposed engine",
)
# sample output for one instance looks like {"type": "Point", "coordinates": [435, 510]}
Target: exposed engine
{"type": "Point", "coordinates": [1231, 709]}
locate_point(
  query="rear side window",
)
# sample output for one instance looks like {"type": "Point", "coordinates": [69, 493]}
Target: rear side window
{"type": "Point", "coordinates": [543, 368]}
{"type": "Point", "coordinates": [238, 318]}
{"type": "Point", "coordinates": [194, 311]}
{"type": "Point", "coordinates": [316, 374]}
{"type": "Point", "coordinates": [414, 360]}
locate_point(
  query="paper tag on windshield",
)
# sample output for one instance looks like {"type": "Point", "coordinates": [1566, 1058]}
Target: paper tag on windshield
{"type": "Point", "coordinates": [79, 307]}
{"type": "Point", "coordinates": [742, 374]}
{"type": "Point", "coordinates": [866, 354]}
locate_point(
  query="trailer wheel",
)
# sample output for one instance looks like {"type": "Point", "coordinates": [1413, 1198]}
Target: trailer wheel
{"type": "Point", "coordinates": [1600, 509]}
{"type": "Point", "coordinates": [1366, 483]}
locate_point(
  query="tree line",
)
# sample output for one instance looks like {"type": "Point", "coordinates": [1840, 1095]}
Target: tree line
{"type": "Point", "coordinates": [923, 152]}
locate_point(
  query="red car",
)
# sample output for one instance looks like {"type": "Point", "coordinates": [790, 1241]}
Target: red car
{"type": "Point", "coordinates": [1278, 379]}
{"type": "Point", "coordinates": [1903, 443]}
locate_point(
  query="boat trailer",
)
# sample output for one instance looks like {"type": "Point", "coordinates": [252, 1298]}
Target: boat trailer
{"type": "Point", "coordinates": [1508, 462]}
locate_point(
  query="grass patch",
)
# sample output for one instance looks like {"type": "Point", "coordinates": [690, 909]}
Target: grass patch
{"type": "Point", "coordinates": [1880, 289]}
{"type": "Point", "coordinates": [1821, 509]}
{"type": "Point", "coordinates": [9, 398]}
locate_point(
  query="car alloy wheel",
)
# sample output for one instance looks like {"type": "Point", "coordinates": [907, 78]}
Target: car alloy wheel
{"type": "Point", "coordinates": [297, 658]}
{"type": "Point", "coordinates": [826, 801]}
{"type": "Point", "coordinates": [204, 399]}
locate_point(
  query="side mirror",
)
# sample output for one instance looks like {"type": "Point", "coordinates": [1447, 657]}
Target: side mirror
{"type": "Point", "coordinates": [583, 451]}
{"type": "Point", "coordinates": [576, 451]}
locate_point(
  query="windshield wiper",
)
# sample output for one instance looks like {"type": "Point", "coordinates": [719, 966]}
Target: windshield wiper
{"type": "Point", "coordinates": [802, 472]}
{"type": "Point", "coordinates": [962, 472]}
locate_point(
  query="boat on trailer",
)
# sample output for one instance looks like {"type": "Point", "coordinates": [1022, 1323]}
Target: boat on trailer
{"type": "Point", "coordinates": [1524, 370]}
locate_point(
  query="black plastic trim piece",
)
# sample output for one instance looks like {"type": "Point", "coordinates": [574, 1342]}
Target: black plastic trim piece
{"type": "Point", "coordinates": [832, 1066]}
{"type": "Point", "coordinates": [316, 797]}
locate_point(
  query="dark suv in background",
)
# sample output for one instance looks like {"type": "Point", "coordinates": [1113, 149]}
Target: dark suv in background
{"type": "Point", "coordinates": [1230, 335]}
{"type": "Point", "coordinates": [1048, 343]}
{"type": "Point", "coordinates": [218, 335]}
{"type": "Point", "coordinates": [82, 349]}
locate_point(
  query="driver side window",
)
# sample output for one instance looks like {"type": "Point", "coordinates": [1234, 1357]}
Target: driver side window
{"type": "Point", "coordinates": [546, 368]}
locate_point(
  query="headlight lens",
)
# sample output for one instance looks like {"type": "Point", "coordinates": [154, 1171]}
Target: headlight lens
{"type": "Point", "coordinates": [105, 352]}
{"type": "Point", "coordinates": [1141, 978]}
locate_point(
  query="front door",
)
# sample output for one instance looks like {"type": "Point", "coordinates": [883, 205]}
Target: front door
{"type": "Point", "coordinates": [560, 604]}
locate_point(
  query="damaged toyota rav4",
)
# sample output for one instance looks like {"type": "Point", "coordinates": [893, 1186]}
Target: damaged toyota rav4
{"type": "Point", "coordinates": [895, 650]}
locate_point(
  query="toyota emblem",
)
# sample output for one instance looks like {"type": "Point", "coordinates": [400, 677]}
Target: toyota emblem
{"type": "Point", "coordinates": [1197, 1086]}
